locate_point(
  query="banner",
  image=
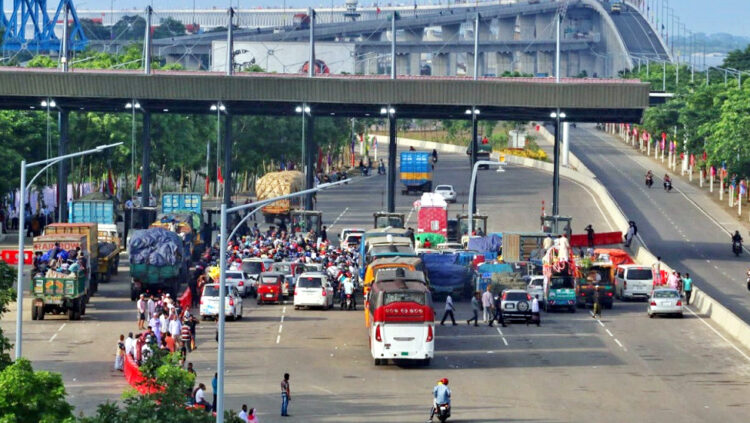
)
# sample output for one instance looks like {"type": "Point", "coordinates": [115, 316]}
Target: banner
{"type": "Point", "coordinates": [138, 182]}
{"type": "Point", "coordinates": [219, 176]}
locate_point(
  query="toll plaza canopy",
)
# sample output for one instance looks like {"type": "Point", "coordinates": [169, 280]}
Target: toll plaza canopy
{"type": "Point", "coordinates": [582, 100]}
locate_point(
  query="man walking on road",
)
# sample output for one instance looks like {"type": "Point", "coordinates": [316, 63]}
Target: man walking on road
{"type": "Point", "coordinates": [449, 309]}
{"type": "Point", "coordinates": [286, 395]}
{"type": "Point", "coordinates": [687, 285]}
{"type": "Point", "coordinates": [475, 309]}
{"type": "Point", "coordinates": [499, 310]}
{"type": "Point", "coordinates": [487, 304]}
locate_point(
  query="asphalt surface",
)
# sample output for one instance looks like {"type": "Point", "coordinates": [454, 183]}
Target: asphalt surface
{"type": "Point", "coordinates": [685, 227]}
{"type": "Point", "coordinates": [639, 38]}
{"type": "Point", "coordinates": [622, 368]}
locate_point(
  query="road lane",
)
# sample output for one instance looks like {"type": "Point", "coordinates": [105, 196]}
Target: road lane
{"type": "Point", "coordinates": [672, 226]}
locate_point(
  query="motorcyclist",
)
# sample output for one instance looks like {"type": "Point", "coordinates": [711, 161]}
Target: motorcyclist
{"type": "Point", "coordinates": [649, 179]}
{"type": "Point", "coordinates": [381, 168]}
{"type": "Point", "coordinates": [736, 239]}
{"type": "Point", "coordinates": [667, 182]}
{"type": "Point", "coordinates": [441, 394]}
{"type": "Point", "coordinates": [434, 155]}
{"type": "Point", "coordinates": [348, 288]}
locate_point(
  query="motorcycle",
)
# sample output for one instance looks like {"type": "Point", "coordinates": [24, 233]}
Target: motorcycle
{"type": "Point", "coordinates": [668, 186]}
{"type": "Point", "coordinates": [649, 181]}
{"type": "Point", "coordinates": [350, 302]}
{"type": "Point", "coordinates": [443, 411]}
{"type": "Point", "coordinates": [737, 248]}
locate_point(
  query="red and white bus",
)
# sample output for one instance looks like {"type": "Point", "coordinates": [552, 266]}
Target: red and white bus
{"type": "Point", "coordinates": [403, 323]}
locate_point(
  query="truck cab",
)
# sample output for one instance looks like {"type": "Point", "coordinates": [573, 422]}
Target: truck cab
{"type": "Point", "coordinates": [384, 219]}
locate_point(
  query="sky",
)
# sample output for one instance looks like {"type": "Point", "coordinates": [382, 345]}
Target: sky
{"type": "Point", "coordinates": [729, 16]}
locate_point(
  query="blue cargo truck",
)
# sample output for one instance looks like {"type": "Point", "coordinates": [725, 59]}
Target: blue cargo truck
{"type": "Point", "coordinates": [416, 172]}
{"type": "Point", "coordinates": [182, 212]}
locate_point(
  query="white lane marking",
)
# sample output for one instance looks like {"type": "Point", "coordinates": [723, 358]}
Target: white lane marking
{"type": "Point", "coordinates": [280, 327]}
{"type": "Point", "coordinates": [408, 217]}
{"type": "Point", "coordinates": [505, 341]}
{"type": "Point", "coordinates": [618, 343]}
{"type": "Point", "coordinates": [281, 324]}
{"type": "Point", "coordinates": [282, 318]}
{"type": "Point", "coordinates": [53, 337]}
{"type": "Point", "coordinates": [283, 310]}
{"type": "Point", "coordinates": [609, 333]}
{"type": "Point", "coordinates": [337, 219]}
{"type": "Point", "coordinates": [278, 338]}
{"type": "Point", "coordinates": [61, 327]}
{"type": "Point", "coordinates": [320, 388]}
{"type": "Point", "coordinates": [718, 333]}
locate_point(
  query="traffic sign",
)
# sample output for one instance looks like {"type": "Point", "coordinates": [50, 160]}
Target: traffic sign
{"type": "Point", "coordinates": [11, 256]}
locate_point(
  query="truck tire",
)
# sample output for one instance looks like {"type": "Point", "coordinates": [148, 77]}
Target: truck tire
{"type": "Point", "coordinates": [427, 187]}
{"type": "Point", "coordinates": [40, 313]}
{"type": "Point", "coordinates": [117, 265]}
{"type": "Point", "coordinates": [72, 310]}
{"type": "Point", "coordinates": [94, 287]}
{"type": "Point", "coordinates": [34, 311]}
{"type": "Point", "coordinates": [83, 306]}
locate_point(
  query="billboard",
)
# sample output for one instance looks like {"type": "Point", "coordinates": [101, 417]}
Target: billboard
{"type": "Point", "coordinates": [285, 56]}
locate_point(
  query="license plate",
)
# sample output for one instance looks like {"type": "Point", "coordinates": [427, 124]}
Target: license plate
{"type": "Point", "coordinates": [404, 354]}
{"type": "Point", "coordinates": [669, 303]}
{"type": "Point", "coordinates": [269, 295]}
{"type": "Point", "coordinates": [509, 306]}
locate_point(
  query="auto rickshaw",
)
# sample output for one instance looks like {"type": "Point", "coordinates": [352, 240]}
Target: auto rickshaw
{"type": "Point", "coordinates": [269, 288]}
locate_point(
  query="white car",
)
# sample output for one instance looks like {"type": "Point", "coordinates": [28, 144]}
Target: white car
{"type": "Point", "coordinates": [210, 302]}
{"type": "Point", "coordinates": [536, 287]}
{"type": "Point", "coordinates": [347, 231]}
{"type": "Point", "coordinates": [665, 301]}
{"type": "Point", "coordinates": [447, 191]}
{"type": "Point", "coordinates": [239, 280]}
{"type": "Point", "coordinates": [313, 290]}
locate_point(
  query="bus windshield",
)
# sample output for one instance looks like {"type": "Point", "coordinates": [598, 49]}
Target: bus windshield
{"type": "Point", "coordinates": [561, 282]}
{"type": "Point", "coordinates": [404, 297]}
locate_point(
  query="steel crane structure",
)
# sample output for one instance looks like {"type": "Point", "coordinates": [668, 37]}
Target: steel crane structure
{"type": "Point", "coordinates": [30, 27]}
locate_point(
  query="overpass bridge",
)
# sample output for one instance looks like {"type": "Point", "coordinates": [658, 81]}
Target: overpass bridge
{"type": "Point", "coordinates": [514, 36]}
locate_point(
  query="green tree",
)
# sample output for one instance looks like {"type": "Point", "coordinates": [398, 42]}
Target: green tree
{"type": "Point", "coordinates": [95, 30]}
{"type": "Point", "coordinates": [738, 59]}
{"type": "Point", "coordinates": [169, 28]}
{"type": "Point", "coordinates": [7, 296]}
{"type": "Point", "coordinates": [32, 396]}
{"type": "Point", "coordinates": [727, 138]}
{"type": "Point", "coordinates": [129, 28]}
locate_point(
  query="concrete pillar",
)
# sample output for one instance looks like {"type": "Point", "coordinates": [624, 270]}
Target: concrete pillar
{"type": "Point", "coordinates": [391, 200]}
{"type": "Point", "coordinates": [504, 62]}
{"type": "Point", "coordinates": [311, 151]}
{"type": "Point", "coordinates": [62, 169]}
{"type": "Point", "coordinates": [506, 28]}
{"type": "Point", "coordinates": [527, 27]}
{"type": "Point", "coordinates": [444, 64]}
{"type": "Point", "coordinates": [402, 64]}
{"type": "Point", "coordinates": [565, 143]}
{"type": "Point", "coordinates": [413, 60]}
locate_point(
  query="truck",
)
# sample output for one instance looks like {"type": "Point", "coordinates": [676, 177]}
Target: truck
{"type": "Point", "coordinates": [384, 219]}
{"type": "Point", "coordinates": [157, 262]}
{"type": "Point", "coordinates": [57, 292]}
{"type": "Point", "coordinates": [559, 281]}
{"type": "Point", "coordinates": [615, 7]}
{"type": "Point", "coordinates": [91, 231]}
{"type": "Point", "coordinates": [304, 221]}
{"type": "Point", "coordinates": [182, 212]}
{"type": "Point", "coordinates": [432, 214]}
{"type": "Point", "coordinates": [416, 171]}
{"type": "Point", "coordinates": [275, 184]}
{"type": "Point", "coordinates": [104, 214]}
{"type": "Point", "coordinates": [484, 150]}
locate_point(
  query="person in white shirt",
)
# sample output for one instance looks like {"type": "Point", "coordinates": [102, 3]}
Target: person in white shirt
{"type": "Point", "coordinates": [130, 344]}
{"type": "Point", "coordinates": [449, 309]}
{"type": "Point", "coordinates": [141, 306]}
{"type": "Point", "coordinates": [175, 327]}
{"type": "Point", "coordinates": [487, 304]}
{"type": "Point", "coordinates": [243, 413]}
{"type": "Point", "coordinates": [200, 396]}
{"type": "Point", "coordinates": [151, 304]}
{"type": "Point", "coordinates": [535, 316]}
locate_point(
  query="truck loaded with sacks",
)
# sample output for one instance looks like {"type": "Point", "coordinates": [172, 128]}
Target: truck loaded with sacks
{"type": "Point", "coordinates": [158, 262]}
{"type": "Point", "coordinates": [276, 184]}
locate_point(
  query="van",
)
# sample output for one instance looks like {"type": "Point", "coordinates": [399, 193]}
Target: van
{"type": "Point", "coordinates": [633, 281]}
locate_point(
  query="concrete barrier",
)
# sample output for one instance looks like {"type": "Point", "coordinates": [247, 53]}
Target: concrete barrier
{"type": "Point", "coordinates": [706, 306]}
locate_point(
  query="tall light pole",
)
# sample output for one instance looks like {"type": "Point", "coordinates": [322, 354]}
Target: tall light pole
{"type": "Point", "coordinates": [473, 185]}
{"type": "Point", "coordinates": [49, 104]}
{"type": "Point", "coordinates": [223, 274]}
{"type": "Point", "coordinates": [23, 188]}
{"type": "Point", "coordinates": [219, 108]}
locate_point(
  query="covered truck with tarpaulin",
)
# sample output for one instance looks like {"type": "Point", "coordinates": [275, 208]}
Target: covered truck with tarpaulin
{"type": "Point", "coordinates": [157, 262]}
{"type": "Point", "coordinates": [447, 275]}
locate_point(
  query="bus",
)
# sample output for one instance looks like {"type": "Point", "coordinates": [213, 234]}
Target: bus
{"type": "Point", "coordinates": [375, 233]}
{"type": "Point", "coordinates": [388, 246]}
{"type": "Point", "coordinates": [387, 266]}
{"type": "Point", "coordinates": [403, 323]}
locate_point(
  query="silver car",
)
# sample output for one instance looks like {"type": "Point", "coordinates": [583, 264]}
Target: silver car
{"type": "Point", "coordinates": [535, 288]}
{"type": "Point", "coordinates": [665, 301]}
{"type": "Point", "coordinates": [447, 191]}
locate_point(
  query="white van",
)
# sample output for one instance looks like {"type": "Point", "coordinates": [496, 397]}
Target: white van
{"type": "Point", "coordinates": [633, 281]}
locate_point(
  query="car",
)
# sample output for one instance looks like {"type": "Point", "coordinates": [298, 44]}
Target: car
{"type": "Point", "coordinates": [633, 281]}
{"type": "Point", "coordinates": [536, 287]}
{"type": "Point", "coordinates": [269, 288]}
{"type": "Point", "coordinates": [352, 240]}
{"type": "Point", "coordinates": [347, 231]}
{"type": "Point", "coordinates": [447, 191]}
{"type": "Point", "coordinates": [237, 279]}
{"type": "Point", "coordinates": [252, 268]}
{"type": "Point", "coordinates": [313, 290]}
{"type": "Point", "coordinates": [209, 306]}
{"type": "Point", "coordinates": [449, 247]}
{"type": "Point", "coordinates": [665, 301]}
{"type": "Point", "coordinates": [515, 304]}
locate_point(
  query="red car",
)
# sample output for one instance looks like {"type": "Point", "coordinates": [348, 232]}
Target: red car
{"type": "Point", "coordinates": [269, 287]}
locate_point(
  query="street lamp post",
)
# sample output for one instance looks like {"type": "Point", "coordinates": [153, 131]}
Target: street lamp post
{"type": "Point", "coordinates": [473, 185]}
{"type": "Point", "coordinates": [222, 276]}
{"type": "Point", "coordinates": [557, 116]}
{"type": "Point", "coordinates": [218, 108]}
{"type": "Point", "coordinates": [22, 222]}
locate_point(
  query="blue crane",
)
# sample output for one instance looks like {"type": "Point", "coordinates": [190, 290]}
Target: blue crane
{"type": "Point", "coordinates": [33, 13]}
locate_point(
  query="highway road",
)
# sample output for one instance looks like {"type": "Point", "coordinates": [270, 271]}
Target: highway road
{"type": "Point", "coordinates": [622, 368]}
{"type": "Point", "coordinates": [638, 36]}
{"type": "Point", "coordinates": [685, 227]}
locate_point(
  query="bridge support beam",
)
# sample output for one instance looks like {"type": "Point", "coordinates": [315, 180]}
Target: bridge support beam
{"type": "Point", "coordinates": [227, 171]}
{"type": "Point", "coordinates": [391, 161]}
{"type": "Point", "coordinates": [443, 64]}
{"type": "Point", "coordinates": [146, 160]}
{"type": "Point", "coordinates": [309, 155]}
{"type": "Point", "coordinates": [474, 151]}
{"type": "Point", "coordinates": [62, 169]}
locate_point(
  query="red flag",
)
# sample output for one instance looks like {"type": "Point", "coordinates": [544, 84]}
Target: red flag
{"type": "Point", "coordinates": [705, 157]}
{"type": "Point", "coordinates": [692, 160]}
{"type": "Point", "coordinates": [537, 128]}
{"type": "Point", "coordinates": [110, 182]}
{"type": "Point", "coordinates": [138, 182]}
{"type": "Point", "coordinates": [663, 136]}
{"type": "Point", "coordinates": [208, 184]}
{"type": "Point", "coordinates": [320, 157]}
{"type": "Point", "coordinates": [219, 177]}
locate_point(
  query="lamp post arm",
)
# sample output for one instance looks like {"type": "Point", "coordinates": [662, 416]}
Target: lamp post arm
{"type": "Point", "coordinates": [71, 155]}
{"type": "Point", "coordinates": [472, 186]}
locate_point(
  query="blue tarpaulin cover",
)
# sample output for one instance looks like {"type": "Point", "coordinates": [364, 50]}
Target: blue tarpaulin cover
{"type": "Point", "coordinates": [443, 270]}
{"type": "Point", "coordinates": [156, 246]}
{"type": "Point", "coordinates": [485, 243]}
